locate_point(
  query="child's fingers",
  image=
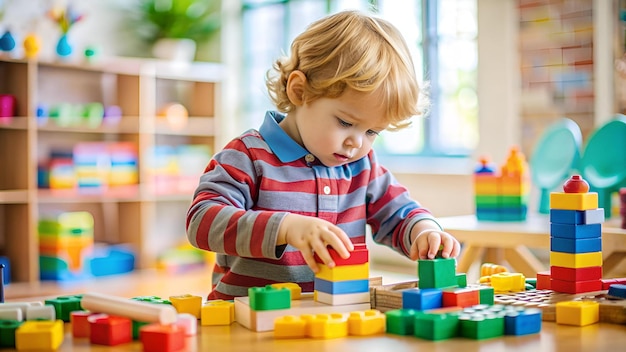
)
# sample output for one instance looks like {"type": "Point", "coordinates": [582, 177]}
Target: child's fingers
{"type": "Point", "coordinates": [309, 259]}
{"type": "Point", "coordinates": [434, 242]}
{"type": "Point", "coordinates": [340, 242]}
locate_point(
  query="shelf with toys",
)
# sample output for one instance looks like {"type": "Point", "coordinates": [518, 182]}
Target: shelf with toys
{"type": "Point", "coordinates": [124, 139]}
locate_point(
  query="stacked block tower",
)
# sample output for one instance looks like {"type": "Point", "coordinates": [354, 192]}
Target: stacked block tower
{"type": "Point", "coordinates": [575, 238]}
{"type": "Point", "coordinates": [503, 195]}
{"type": "Point", "coordinates": [347, 282]}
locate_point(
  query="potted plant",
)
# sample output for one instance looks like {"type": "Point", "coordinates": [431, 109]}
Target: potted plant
{"type": "Point", "coordinates": [175, 27]}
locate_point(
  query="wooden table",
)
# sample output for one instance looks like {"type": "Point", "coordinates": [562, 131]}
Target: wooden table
{"type": "Point", "coordinates": [499, 242]}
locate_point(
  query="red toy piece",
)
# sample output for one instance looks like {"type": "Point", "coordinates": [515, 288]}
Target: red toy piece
{"type": "Point", "coordinates": [111, 331]}
{"type": "Point", "coordinates": [576, 184]}
{"type": "Point", "coordinates": [162, 338]}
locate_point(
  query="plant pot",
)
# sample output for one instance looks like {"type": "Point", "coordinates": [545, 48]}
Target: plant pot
{"type": "Point", "coordinates": [182, 50]}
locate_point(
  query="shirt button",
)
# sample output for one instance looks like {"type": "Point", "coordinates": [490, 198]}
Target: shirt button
{"type": "Point", "coordinates": [326, 190]}
{"type": "Point", "coordinates": [309, 158]}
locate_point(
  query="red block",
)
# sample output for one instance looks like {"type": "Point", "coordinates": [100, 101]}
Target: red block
{"type": "Point", "coordinates": [572, 274]}
{"type": "Point", "coordinates": [111, 331]}
{"type": "Point", "coordinates": [360, 255]}
{"type": "Point", "coordinates": [543, 280]}
{"type": "Point", "coordinates": [574, 287]}
{"type": "Point", "coordinates": [162, 338]}
{"type": "Point", "coordinates": [461, 298]}
{"type": "Point", "coordinates": [80, 322]}
{"type": "Point", "coordinates": [606, 283]}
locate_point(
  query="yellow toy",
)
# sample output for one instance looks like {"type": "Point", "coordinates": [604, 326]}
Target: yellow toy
{"type": "Point", "coordinates": [32, 45]}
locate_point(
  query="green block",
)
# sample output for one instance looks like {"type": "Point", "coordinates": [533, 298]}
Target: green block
{"type": "Point", "coordinates": [512, 200]}
{"type": "Point", "coordinates": [531, 283]}
{"type": "Point", "coordinates": [152, 299]}
{"type": "Point", "coordinates": [400, 321]}
{"type": "Point", "coordinates": [480, 326]}
{"type": "Point", "coordinates": [64, 306]}
{"type": "Point", "coordinates": [136, 326]}
{"type": "Point", "coordinates": [461, 279]}
{"type": "Point", "coordinates": [437, 273]}
{"type": "Point", "coordinates": [7, 332]}
{"type": "Point", "coordinates": [486, 295]}
{"type": "Point", "coordinates": [269, 298]}
{"type": "Point", "coordinates": [491, 200]}
{"type": "Point", "coordinates": [436, 327]}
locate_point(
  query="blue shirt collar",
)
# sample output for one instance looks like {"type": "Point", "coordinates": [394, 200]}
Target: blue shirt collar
{"type": "Point", "coordinates": [285, 148]}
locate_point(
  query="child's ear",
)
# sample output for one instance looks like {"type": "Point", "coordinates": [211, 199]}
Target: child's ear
{"type": "Point", "coordinates": [295, 87]}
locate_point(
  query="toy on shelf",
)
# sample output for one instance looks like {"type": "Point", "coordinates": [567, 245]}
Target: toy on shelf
{"type": "Point", "coordinates": [502, 195]}
{"type": "Point", "coordinates": [7, 42]}
{"type": "Point", "coordinates": [65, 18]}
{"type": "Point", "coordinates": [32, 45]}
{"type": "Point", "coordinates": [8, 107]}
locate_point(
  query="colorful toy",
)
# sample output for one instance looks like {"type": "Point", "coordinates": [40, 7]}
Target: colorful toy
{"type": "Point", "coordinates": [8, 107]}
{"type": "Point", "coordinates": [32, 45]}
{"type": "Point", "coordinates": [39, 335]}
{"type": "Point", "coordinates": [347, 282]}
{"type": "Point", "coordinates": [133, 309]}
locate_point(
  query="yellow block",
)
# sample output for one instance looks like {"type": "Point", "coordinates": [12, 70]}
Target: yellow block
{"type": "Point", "coordinates": [344, 272]}
{"type": "Point", "coordinates": [290, 326]}
{"type": "Point", "coordinates": [329, 326]}
{"type": "Point", "coordinates": [486, 184]}
{"type": "Point", "coordinates": [187, 304]}
{"type": "Point", "coordinates": [508, 282]}
{"type": "Point", "coordinates": [39, 335]}
{"type": "Point", "coordinates": [579, 313]}
{"type": "Point", "coordinates": [217, 312]}
{"type": "Point", "coordinates": [296, 290]}
{"type": "Point", "coordinates": [364, 323]}
{"type": "Point", "coordinates": [574, 201]}
{"type": "Point", "coordinates": [575, 260]}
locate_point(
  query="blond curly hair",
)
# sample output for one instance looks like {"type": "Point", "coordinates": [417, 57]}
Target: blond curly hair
{"type": "Point", "coordinates": [350, 50]}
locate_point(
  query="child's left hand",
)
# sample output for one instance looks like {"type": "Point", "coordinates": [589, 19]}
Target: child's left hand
{"type": "Point", "coordinates": [430, 241]}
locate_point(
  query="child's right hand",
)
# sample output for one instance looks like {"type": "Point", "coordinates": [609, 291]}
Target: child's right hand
{"type": "Point", "coordinates": [311, 235]}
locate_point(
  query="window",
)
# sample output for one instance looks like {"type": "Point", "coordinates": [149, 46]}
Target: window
{"type": "Point", "coordinates": [442, 35]}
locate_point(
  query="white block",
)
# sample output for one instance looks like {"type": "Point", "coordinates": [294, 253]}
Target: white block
{"type": "Point", "coordinates": [14, 313]}
{"type": "Point", "coordinates": [41, 313]}
{"type": "Point", "coordinates": [342, 299]}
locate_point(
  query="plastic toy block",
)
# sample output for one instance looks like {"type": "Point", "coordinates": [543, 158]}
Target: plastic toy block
{"type": "Point", "coordinates": [7, 332]}
{"type": "Point", "coordinates": [488, 269]}
{"type": "Point", "coordinates": [573, 287]}
{"type": "Point", "coordinates": [290, 326]}
{"type": "Point", "coordinates": [480, 326]}
{"type": "Point", "coordinates": [519, 186]}
{"type": "Point", "coordinates": [575, 231]}
{"type": "Point", "coordinates": [486, 295]}
{"type": "Point", "coordinates": [343, 273]}
{"type": "Point", "coordinates": [486, 184]}
{"type": "Point", "coordinates": [80, 322]}
{"type": "Point", "coordinates": [39, 335]}
{"type": "Point", "coordinates": [574, 260]}
{"type": "Point", "coordinates": [572, 274]}
{"type": "Point", "coordinates": [137, 325]}
{"type": "Point", "coordinates": [573, 201]}
{"type": "Point", "coordinates": [328, 326]}
{"type": "Point", "coordinates": [461, 279]}
{"type": "Point", "coordinates": [269, 298]}
{"type": "Point", "coordinates": [508, 282]}
{"type": "Point", "coordinates": [217, 312]}
{"type": "Point", "coordinates": [582, 245]}
{"type": "Point", "coordinates": [341, 299]}
{"type": "Point", "coordinates": [436, 273]}
{"type": "Point", "coordinates": [422, 299]}
{"type": "Point", "coordinates": [487, 201]}
{"type": "Point", "coordinates": [617, 291]}
{"type": "Point", "coordinates": [40, 313]}
{"type": "Point", "coordinates": [365, 323]}
{"type": "Point", "coordinates": [341, 287]}
{"type": "Point", "coordinates": [400, 321]}
{"type": "Point", "coordinates": [360, 255]}
{"type": "Point", "coordinates": [264, 320]}
{"type": "Point", "coordinates": [464, 297]}
{"type": "Point", "coordinates": [110, 330]}
{"type": "Point", "coordinates": [296, 290]}
{"type": "Point", "coordinates": [162, 338]}
{"type": "Point", "coordinates": [436, 327]}
{"type": "Point", "coordinates": [64, 305]}
{"type": "Point", "coordinates": [577, 217]}
{"type": "Point", "coordinates": [187, 304]}
{"type": "Point", "coordinates": [189, 323]}
{"type": "Point", "coordinates": [522, 321]}
{"type": "Point", "coordinates": [132, 309]}
{"type": "Point", "coordinates": [543, 280]}
{"type": "Point", "coordinates": [152, 299]}
{"type": "Point", "coordinates": [11, 314]}
{"type": "Point", "coordinates": [578, 313]}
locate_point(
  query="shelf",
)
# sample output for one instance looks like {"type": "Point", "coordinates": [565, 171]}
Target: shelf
{"type": "Point", "coordinates": [14, 197]}
{"type": "Point", "coordinates": [17, 123]}
{"type": "Point", "coordinates": [125, 125]}
{"type": "Point", "coordinates": [121, 194]}
{"type": "Point", "coordinates": [195, 126]}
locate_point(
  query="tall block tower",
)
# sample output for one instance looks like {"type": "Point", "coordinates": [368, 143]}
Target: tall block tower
{"type": "Point", "coordinates": [575, 238]}
{"type": "Point", "coordinates": [347, 282]}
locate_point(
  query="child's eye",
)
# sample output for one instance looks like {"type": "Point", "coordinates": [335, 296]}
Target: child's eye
{"type": "Point", "coordinates": [372, 133]}
{"type": "Point", "coordinates": [344, 123]}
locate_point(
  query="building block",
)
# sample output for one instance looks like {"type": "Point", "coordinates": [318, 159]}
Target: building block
{"type": "Point", "coordinates": [577, 217]}
{"type": "Point", "coordinates": [110, 330]}
{"type": "Point", "coordinates": [162, 338]}
{"type": "Point", "coordinates": [129, 308]}
{"type": "Point", "coordinates": [341, 299]}
{"type": "Point", "coordinates": [290, 326]}
{"type": "Point", "coordinates": [480, 326]}
{"type": "Point", "coordinates": [11, 314]}
{"type": "Point", "coordinates": [436, 327]}
{"type": "Point", "coordinates": [486, 295]}
{"type": "Point", "coordinates": [360, 255]}
{"type": "Point", "coordinates": [296, 290]}
{"type": "Point", "coordinates": [188, 323]}
{"type": "Point", "coordinates": [578, 313]}
{"type": "Point", "coordinates": [576, 274]}
{"type": "Point", "coordinates": [573, 287]}
{"type": "Point", "coordinates": [522, 321]}
{"type": "Point", "coordinates": [7, 332]}
{"type": "Point", "coordinates": [40, 313]}
{"type": "Point", "coordinates": [575, 231]}
{"type": "Point", "coordinates": [79, 320]}
{"type": "Point", "coordinates": [574, 201]}
{"type": "Point", "coordinates": [582, 245]}
{"type": "Point", "coordinates": [187, 304]}
{"type": "Point", "coordinates": [575, 260]}
{"type": "Point", "coordinates": [464, 297]}
{"type": "Point", "coordinates": [461, 279]}
{"type": "Point", "coordinates": [343, 273]}
{"type": "Point", "coordinates": [508, 282]}
{"type": "Point", "coordinates": [217, 312]}
{"type": "Point", "coordinates": [400, 321]}
{"type": "Point", "coordinates": [422, 299]}
{"type": "Point", "coordinates": [152, 299]}
{"type": "Point", "coordinates": [543, 280]}
{"type": "Point", "coordinates": [264, 320]}
{"type": "Point", "coordinates": [488, 269]}
{"type": "Point", "coordinates": [328, 326]}
{"type": "Point", "coordinates": [437, 273]}
{"type": "Point", "coordinates": [269, 298]}
{"type": "Point", "coordinates": [39, 335]}
{"type": "Point", "coordinates": [365, 323]}
{"type": "Point", "coordinates": [617, 290]}
{"type": "Point", "coordinates": [341, 287]}
{"type": "Point", "coordinates": [64, 306]}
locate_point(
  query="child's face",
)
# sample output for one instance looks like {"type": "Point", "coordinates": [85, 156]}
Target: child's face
{"type": "Point", "coordinates": [338, 131]}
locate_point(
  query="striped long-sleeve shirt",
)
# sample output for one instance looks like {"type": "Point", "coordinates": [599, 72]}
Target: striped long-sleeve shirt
{"type": "Point", "coordinates": [261, 176]}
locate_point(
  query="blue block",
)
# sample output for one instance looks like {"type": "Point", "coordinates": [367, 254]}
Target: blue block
{"type": "Point", "coordinates": [341, 287]}
{"type": "Point", "coordinates": [422, 299]}
{"type": "Point", "coordinates": [577, 217]}
{"type": "Point", "coordinates": [580, 245]}
{"type": "Point", "coordinates": [617, 290]}
{"type": "Point", "coordinates": [7, 269]}
{"type": "Point", "coordinates": [524, 322]}
{"type": "Point", "coordinates": [575, 231]}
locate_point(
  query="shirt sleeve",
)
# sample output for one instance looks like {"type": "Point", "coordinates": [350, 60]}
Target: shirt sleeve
{"type": "Point", "coordinates": [221, 218]}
